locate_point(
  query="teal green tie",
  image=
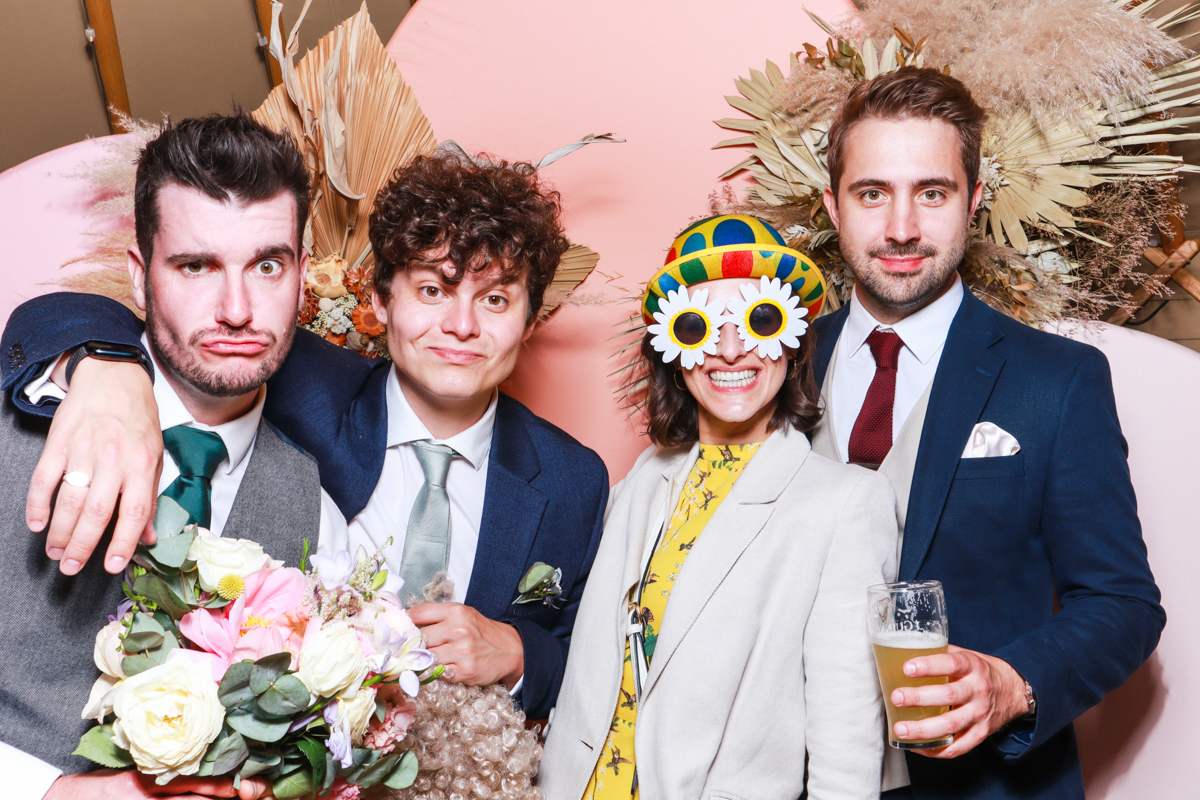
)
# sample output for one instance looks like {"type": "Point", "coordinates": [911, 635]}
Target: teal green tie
{"type": "Point", "coordinates": [197, 454]}
{"type": "Point", "coordinates": [427, 541]}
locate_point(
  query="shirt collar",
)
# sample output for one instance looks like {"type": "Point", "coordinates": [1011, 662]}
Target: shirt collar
{"type": "Point", "coordinates": [405, 426]}
{"type": "Point", "coordinates": [237, 435]}
{"type": "Point", "coordinates": [923, 332]}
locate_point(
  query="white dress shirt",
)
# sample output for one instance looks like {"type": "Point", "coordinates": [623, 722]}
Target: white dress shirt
{"type": "Point", "coordinates": [31, 777]}
{"type": "Point", "coordinates": [386, 513]}
{"type": "Point", "coordinates": [924, 336]}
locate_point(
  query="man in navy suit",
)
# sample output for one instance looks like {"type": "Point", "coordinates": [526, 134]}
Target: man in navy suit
{"type": "Point", "coordinates": [464, 255]}
{"type": "Point", "coordinates": [1006, 444]}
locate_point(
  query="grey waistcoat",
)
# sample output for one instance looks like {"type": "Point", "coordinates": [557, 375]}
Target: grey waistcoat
{"type": "Point", "coordinates": [48, 621]}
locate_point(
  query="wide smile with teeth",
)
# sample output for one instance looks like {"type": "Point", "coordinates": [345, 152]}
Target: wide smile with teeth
{"type": "Point", "coordinates": [733, 380]}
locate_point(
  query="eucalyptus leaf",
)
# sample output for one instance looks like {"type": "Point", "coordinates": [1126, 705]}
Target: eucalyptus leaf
{"type": "Point", "coordinates": [375, 773]}
{"type": "Point", "coordinates": [155, 589]}
{"type": "Point", "coordinates": [144, 634]}
{"type": "Point", "coordinates": [235, 685]}
{"type": "Point", "coordinates": [253, 766]}
{"type": "Point", "coordinates": [230, 754]}
{"type": "Point", "coordinates": [285, 699]}
{"type": "Point", "coordinates": [170, 518]}
{"type": "Point", "coordinates": [405, 773]}
{"type": "Point", "coordinates": [293, 785]}
{"type": "Point", "coordinates": [267, 670]}
{"type": "Point", "coordinates": [250, 726]}
{"type": "Point", "coordinates": [97, 745]}
{"type": "Point", "coordinates": [331, 770]}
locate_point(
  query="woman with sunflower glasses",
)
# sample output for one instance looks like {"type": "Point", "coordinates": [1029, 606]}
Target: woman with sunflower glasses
{"type": "Point", "coordinates": [721, 646]}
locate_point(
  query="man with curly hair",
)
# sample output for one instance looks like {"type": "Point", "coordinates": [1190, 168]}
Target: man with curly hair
{"type": "Point", "coordinates": [424, 455]}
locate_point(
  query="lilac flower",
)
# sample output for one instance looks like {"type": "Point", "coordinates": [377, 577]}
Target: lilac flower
{"type": "Point", "coordinates": [338, 743]}
{"type": "Point", "coordinates": [334, 572]}
{"type": "Point", "coordinates": [402, 655]}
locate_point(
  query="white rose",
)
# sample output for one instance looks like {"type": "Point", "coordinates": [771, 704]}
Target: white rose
{"type": "Point", "coordinates": [332, 662]}
{"type": "Point", "coordinates": [100, 699]}
{"type": "Point", "coordinates": [167, 717]}
{"type": "Point", "coordinates": [358, 712]}
{"type": "Point", "coordinates": [108, 653]}
{"type": "Point", "coordinates": [217, 557]}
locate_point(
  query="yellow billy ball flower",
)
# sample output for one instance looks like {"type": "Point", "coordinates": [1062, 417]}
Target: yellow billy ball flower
{"type": "Point", "coordinates": [231, 586]}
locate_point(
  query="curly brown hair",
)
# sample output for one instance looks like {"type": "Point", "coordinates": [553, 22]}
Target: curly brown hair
{"type": "Point", "coordinates": [477, 216]}
{"type": "Point", "coordinates": [672, 418]}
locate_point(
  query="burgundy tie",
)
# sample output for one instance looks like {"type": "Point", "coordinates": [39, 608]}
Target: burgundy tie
{"type": "Point", "coordinates": [871, 438]}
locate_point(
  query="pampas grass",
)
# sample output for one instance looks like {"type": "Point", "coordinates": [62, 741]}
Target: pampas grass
{"type": "Point", "coordinates": [1001, 48]}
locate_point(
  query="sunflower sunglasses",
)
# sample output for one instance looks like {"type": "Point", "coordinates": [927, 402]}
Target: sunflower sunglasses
{"type": "Point", "coordinates": [688, 327]}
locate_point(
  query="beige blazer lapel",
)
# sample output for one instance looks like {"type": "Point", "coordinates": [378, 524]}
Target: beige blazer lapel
{"type": "Point", "coordinates": [732, 529]}
{"type": "Point", "coordinates": [901, 461]}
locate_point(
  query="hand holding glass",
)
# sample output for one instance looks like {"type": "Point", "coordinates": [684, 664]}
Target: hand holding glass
{"type": "Point", "coordinates": [907, 620]}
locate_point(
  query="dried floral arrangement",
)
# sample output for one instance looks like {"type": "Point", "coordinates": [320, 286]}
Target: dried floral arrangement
{"type": "Point", "coordinates": [355, 121]}
{"type": "Point", "coordinates": [1078, 178]}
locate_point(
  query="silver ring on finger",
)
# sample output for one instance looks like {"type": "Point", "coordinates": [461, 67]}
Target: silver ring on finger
{"type": "Point", "coordinates": [79, 480]}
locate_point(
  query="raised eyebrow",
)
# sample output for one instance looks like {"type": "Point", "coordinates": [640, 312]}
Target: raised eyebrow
{"type": "Point", "coordinates": [949, 184]}
{"type": "Point", "coordinates": [273, 251]}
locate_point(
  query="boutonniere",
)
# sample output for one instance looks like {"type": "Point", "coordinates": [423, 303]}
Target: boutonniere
{"type": "Point", "coordinates": [541, 582]}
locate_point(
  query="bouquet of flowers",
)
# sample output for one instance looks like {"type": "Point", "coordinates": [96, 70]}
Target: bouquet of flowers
{"type": "Point", "coordinates": [222, 661]}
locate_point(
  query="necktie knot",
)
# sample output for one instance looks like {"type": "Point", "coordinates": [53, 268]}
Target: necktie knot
{"type": "Point", "coordinates": [435, 461]}
{"type": "Point", "coordinates": [197, 453]}
{"type": "Point", "coordinates": [885, 348]}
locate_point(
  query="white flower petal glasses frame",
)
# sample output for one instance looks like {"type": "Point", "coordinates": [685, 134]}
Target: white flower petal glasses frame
{"type": "Point", "coordinates": [687, 327]}
{"type": "Point", "coordinates": [768, 318]}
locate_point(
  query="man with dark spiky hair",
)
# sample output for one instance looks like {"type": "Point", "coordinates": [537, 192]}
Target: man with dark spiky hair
{"type": "Point", "coordinates": [1003, 445]}
{"type": "Point", "coordinates": [218, 269]}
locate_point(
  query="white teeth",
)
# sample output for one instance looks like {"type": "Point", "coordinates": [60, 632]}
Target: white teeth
{"type": "Point", "coordinates": [733, 379]}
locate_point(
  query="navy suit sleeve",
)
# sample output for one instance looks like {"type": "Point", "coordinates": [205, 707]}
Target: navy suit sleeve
{"type": "Point", "coordinates": [546, 648]}
{"type": "Point", "coordinates": [41, 329]}
{"type": "Point", "coordinates": [309, 396]}
{"type": "Point", "coordinates": [1111, 618]}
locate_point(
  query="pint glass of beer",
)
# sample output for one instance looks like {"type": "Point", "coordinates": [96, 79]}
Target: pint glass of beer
{"type": "Point", "coordinates": [907, 620]}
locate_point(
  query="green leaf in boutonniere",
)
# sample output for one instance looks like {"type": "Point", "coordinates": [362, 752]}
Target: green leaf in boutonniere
{"type": "Point", "coordinates": [541, 582]}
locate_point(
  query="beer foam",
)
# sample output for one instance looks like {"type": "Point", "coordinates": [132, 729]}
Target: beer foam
{"type": "Point", "coordinates": [909, 640]}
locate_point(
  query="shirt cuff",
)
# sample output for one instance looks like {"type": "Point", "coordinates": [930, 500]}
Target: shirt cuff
{"type": "Point", "coordinates": [42, 388]}
{"type": "Point", "coordinates": [515, 692]}
{"type": "Point", "coordinates": [25, 777]}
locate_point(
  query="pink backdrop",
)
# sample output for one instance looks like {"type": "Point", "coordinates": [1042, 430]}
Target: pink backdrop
{"type": "Point", "coordinates": [520, 78]}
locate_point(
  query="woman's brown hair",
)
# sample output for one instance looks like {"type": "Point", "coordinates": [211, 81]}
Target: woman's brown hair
{"type": "Point", "coordinates": [672, 416]}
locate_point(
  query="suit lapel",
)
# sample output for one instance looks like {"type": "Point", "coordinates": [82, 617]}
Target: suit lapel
{"type": "Point", "coordinates": [732, 529]}
{"type": "Point", "coordinates": [352, 476]}
{"type": "Point", "coordinates": [512, 513]}
{"type": "Point", "coordinates": [964, 380]}
{"type": "Point", "coordinates": [828, 328]}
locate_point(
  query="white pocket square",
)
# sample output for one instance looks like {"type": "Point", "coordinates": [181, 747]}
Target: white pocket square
{"type": "Point", "coordinates": [988, 440]}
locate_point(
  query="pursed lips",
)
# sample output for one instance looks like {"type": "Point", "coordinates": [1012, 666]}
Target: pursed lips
{"type": "Point", "coordinates": [456, 356]}
{"type": "Point", "coordinates": [236, 347]}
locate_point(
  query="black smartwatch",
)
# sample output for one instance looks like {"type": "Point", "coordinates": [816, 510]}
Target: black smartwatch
{"type": "Point", "coordinates": [109, 352]}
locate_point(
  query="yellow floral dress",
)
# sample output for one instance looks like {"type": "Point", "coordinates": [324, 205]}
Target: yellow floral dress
{"type": "Point", "coordinates": [707, 485]}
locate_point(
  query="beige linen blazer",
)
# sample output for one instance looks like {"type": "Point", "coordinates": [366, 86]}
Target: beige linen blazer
{"type": "Point", "coordinates": [762, 659]}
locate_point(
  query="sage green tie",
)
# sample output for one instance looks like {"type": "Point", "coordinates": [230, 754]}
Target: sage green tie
{"type": "Point", "coordinates": [197, 454]}
{"type": "Point", "coordinates": [427, 542]}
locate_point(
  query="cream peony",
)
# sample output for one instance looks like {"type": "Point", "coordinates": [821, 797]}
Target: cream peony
{"type": "Point", "coordinates": [108, 653]}
{"type": "Point", "coordinates": [332, 662]}
{"type": "Point", "coordinates": [167, 717]}
{"type": "Point", "coordinates": [358, 712]}
{"type": "Point", "coordinates": [216, 557]}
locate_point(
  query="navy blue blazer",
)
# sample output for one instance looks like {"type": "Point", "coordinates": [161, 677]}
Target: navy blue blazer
{"type": "Point", "coordinates": [545, 498]}
{"type": "Point", "coordinates": [1009, 536]}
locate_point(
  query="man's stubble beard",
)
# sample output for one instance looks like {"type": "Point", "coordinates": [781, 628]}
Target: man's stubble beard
{"type": "Point", "coordinates": [181, 360]}
{"type": "Point", "coordinates": [905, 293]}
